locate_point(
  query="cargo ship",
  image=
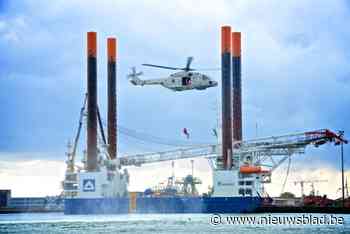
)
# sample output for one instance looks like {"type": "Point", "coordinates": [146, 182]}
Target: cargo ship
{"type": "Point", "coordinates": [99, 185]}
{"type": "Point", "coordinates": [93, 194]}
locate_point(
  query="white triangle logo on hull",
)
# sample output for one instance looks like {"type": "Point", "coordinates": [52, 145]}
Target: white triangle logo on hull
{"type": "Point", "coordinates": [89, 185]}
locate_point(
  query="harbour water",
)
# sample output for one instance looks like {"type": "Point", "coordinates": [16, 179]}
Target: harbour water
{"type": "Point", "coordinates": [149, 223]}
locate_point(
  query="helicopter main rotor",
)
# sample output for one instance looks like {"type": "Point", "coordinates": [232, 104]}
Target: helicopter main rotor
{"type": "Point", "coordinates": [187, 68]}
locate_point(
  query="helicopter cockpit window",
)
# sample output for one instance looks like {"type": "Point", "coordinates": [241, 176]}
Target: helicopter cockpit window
{"type": "Point", "coordinates": [190, 74]}
{"type": "Point", "coordinates": [186, 81]}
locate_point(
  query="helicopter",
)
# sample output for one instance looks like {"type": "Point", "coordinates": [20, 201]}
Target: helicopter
{"type": "Point", "coordinates": [185, 79]}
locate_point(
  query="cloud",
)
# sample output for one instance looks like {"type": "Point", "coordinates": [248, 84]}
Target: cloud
{"type": "Point", "coordinates": [31, 178]}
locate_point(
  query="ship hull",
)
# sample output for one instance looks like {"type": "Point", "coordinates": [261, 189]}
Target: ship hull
{"type": "Point", "coordinates": [162, 205]}
{"type": "Point", "coordinates": [96, 206]}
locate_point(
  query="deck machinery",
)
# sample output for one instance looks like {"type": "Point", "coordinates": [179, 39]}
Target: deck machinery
{"type": "Point", "coordinates": [239, 167]}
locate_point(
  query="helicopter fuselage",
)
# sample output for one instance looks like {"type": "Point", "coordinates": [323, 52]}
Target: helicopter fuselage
{"type": "Point", "coordinates": [186, 79]}
{"type": "Point", "coordinates": [181, 81]}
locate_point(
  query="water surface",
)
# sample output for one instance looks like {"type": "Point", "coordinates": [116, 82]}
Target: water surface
{"type": "Point", "coordinates": [147, 223]}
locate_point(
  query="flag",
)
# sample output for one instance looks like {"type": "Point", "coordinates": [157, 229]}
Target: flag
{"type": "Point", "coordinates": [215, 133]}
{"type": "Point", "coordinates": [186, 133]}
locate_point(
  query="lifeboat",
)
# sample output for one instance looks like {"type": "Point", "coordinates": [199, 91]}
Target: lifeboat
{"type": "Point", "coordinates": [252, 170]}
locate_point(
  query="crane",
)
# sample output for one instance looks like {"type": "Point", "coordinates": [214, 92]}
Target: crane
{"type": "Point", "coordinates": [346, 188]}
{"type": "Point", "coordinates": [269, 152]}
{"type": "Point", "coordinates": [312, 182]}
{"type": "Point", "coordinates": [72, 149]}
{"type": "Point", "coordinates": [265, 154]}
{"type": "Point", "coordinates": [259, 150]}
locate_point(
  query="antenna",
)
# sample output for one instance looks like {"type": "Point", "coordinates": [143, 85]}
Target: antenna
{"type": "Point", "coordinates": [173, 171]}
{"type": "Point", "coordinates": [192, 161]}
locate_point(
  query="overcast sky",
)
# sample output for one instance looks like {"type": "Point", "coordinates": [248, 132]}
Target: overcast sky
{"type": "Point", "coordinates": [295, 72]}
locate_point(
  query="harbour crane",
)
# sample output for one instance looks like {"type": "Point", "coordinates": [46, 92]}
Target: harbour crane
{"type": "Point", "coordinates": [346, 188]}
{"type": "Point", "coordinates": [312, 182]}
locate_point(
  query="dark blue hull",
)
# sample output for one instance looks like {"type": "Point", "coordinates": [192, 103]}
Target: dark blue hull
{"type": "Point", "coordinates": [197, 204]}
{"type": "Point", "coordinates": [96, 206]}
{"type": "Point", "coordinates": [163, 205]}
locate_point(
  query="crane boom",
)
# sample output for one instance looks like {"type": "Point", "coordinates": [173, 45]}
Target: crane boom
{"type": "Point", "coordinates": [183, 153]}
{"type": "Point", "coordinates": [76, 139]}
{"type": "Point", "coordinates": [260, 150]}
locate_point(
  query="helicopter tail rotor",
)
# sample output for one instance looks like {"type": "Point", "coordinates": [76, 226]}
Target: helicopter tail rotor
{"type": "Point", "coordinates": [134, 77]}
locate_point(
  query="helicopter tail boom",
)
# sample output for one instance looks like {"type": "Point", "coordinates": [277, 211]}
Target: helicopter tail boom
{"type": "Point", "coordinates": [136, 81]}
{"type": "Point", "coordinates": [134, 77]}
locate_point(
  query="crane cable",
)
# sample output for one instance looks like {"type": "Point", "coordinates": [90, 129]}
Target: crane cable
{"type": "Point", "coordinates": [288, 169]}
{"type": "Point", "coordinates": [147, 138]}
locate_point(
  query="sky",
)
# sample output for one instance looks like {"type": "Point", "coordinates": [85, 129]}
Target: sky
{"type": "Point", "coordinates": [295, 78]}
